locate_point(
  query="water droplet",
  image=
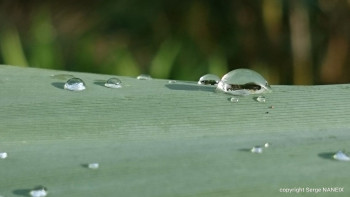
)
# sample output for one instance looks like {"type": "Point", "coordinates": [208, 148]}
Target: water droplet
{"type": "Point", "coordinates": [257, 149]}
{"type": "Point", "coordinates": [144, 77]}
{"type": "Point", "coordinates": [266, 145]}
{"type": "Point", "coordinates": [243, 82]}
{"type": "Point", "coordinates": [341, 156]}
{"type": "Point", "coordinates": [38, 192]}
{"type": "Point", "coordinates": [74, 84]}
{"type": "Point", "coordinates": [234, 99]}
{"type": "Point", "coordinates": [93, 165]}
{"type": "Point", "coordinates": [260, 99]}
{"type": "Point", "coordinates": [172, 81]}
{"type": "Point", "coordinates": [113, 83]}
{"type": "Point", "coordinates": [209, 79]}
{"type": "Point", "coordinates": [271, 107]}
{"type": "Point", "coordinates": [62, 76]}
{"type": "Point", "coordinates": [3, 155]}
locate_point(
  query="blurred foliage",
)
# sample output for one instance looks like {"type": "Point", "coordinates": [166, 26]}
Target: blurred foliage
{"type": "Point", "coordinates": [289, 42]}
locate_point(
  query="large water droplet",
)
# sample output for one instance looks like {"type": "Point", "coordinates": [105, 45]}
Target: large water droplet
{"type": "Point", "coordinates": [113, 83]}
{"type": "Point", "coordinates": [209, 79]}
{"type": "Point", "coordinates": [3, 155]}
{"type": "Point", "coordinates": [38, 192]}
{"type": "Point", "coordinates": [243, 82]}
{"type": "Point", "coordinates": [93, 165]}
{"type": "Point", "coordinates": [341, 156]}
{"type": "Point", "coordinates": [260, 99]}
{"type": "Point", "coordinates": [144, 77]}
{"type": "Point", "coordinates": [257, 149]}
{"type": "Point", "coordinates": [74, 84]}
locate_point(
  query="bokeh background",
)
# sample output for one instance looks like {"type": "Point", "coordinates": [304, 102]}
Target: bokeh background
{"type": "Point", "coordinates": [287, 41]}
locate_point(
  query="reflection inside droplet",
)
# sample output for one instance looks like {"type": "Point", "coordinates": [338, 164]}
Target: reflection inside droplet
{"type": "Point", "coordinates": [243, 82]}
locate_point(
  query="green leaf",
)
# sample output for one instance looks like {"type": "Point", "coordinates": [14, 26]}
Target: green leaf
{"type": "Point", "coordinates": [152, 138]}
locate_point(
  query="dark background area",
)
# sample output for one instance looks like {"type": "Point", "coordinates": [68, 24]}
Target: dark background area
{"type": "Point", "coordinates": [287, 41]}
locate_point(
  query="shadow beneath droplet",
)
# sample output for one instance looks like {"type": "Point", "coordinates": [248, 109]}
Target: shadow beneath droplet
{"type": "Point", "coordinates": [327, 155]}
{"type": "Point", "coordinates": [245, 149]}
{"type": "Point", "coordinates": [100, 82]}
{"type": "Point", "coordinates": [62, 76]}
{"type": "Point", "coordinates": [21, 192]}
{"type": "Point", "coordinates": [85, 165]}
{"type": "Point", "coordinates": [59, 85]}
{"type": "Point", "coordinates": [191, 87]}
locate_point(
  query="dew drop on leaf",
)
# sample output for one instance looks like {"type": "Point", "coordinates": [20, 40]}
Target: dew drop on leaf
{"type": "Point", "coordinates": [93, 165]}
{"type": "Point", "coordinates": [38, 192]}
{"type": "Point", "coordinates": [3, 155]}
{"type": "Point", "coordinates": [144, 77]}
{"type": "Point", "coordinates": [256, 149]}
{"type": "Point", "coordinates": [341, 156]}
{"type": "Point", "coordinates": [243, 82]}
{"type": "Point", "coordinates": [75, 84]}
{"type": "Point", "coordinates": [234, 99]}
{"type": "Point", "coordinates": [260, 99]}
{"type": "Point", "coordinates": [209, 79]}
{"type": "Point", "coordinates": [113, 83]}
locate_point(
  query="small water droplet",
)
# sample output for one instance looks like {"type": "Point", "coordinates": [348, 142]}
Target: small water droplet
{"type": "Point", "coordinates": [257, 149]}
{"type": "Point", "coordinates": [3, 155]}
{"type": "Point", "coordinates": [266, 145]}
{"type": "Point", "coordinates": [62, 76]}
{"type": "Point", "coordinates": [260, 99]}
{"type": "Point", "coordinates": [74, 84]}
{"type": "Point", "coordinates": [172, 81]}
{"type": "Point", "coordinates": [113, 83]}
{"type": "Point", "coordinates": [38, 192]}
{"type": "Point", "coordinates": [93, 165]}
{"type": "Point", "coordinates": [243, 82]}
{"type": "Point", "coordinates": [341, 156]}
{"type": "Point", "coordinates": [144, 77]}
{"type": "Point", "coordinates": [271, 107]}
{"type": "Point", "coordinates": [209, 79]}
{"type": "Point", "coordinates": [234, 99]}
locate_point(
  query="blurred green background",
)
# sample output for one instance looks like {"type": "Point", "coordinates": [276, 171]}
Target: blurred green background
{"type": "Point", "coordinates": [287, 41]}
